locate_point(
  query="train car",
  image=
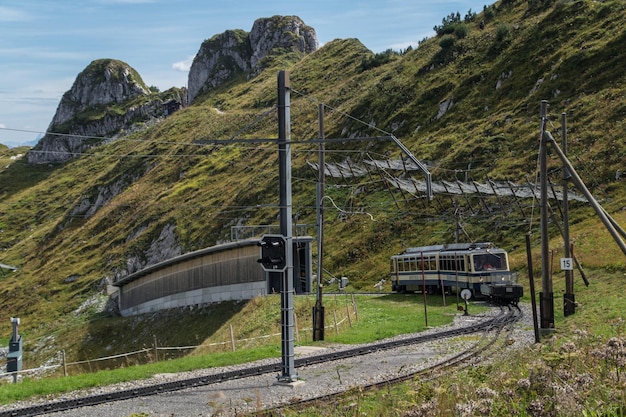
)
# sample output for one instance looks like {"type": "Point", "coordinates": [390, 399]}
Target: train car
{"type": "Point", "coordinates": [450, 268]}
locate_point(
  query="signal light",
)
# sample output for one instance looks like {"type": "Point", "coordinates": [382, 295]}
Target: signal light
{"type": "Point", "coordinates": [272, 253]}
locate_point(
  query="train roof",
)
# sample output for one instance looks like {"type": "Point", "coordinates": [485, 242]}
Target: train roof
{"type": "Point", "coordinates": [453, 247]}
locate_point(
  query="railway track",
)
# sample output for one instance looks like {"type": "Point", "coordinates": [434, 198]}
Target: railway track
{"type": "Point", "coordinates": [493, 325]}
{"type": "Point", "coordinates": [461, 360]}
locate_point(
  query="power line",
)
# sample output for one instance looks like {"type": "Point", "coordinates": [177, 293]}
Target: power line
{"type": "Point", "coordinates": [349, 116]}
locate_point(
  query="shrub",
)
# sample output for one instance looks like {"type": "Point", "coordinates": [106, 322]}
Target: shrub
{"type": "Point", "coordinates": [446, 42]}
{"type": "Point", "coordinates": [470, 16]}
{"type": "Point", "coordinates": [378, 59]}
{"type": "Point", "coordinates": [460, 30]}
{"type": "Point", "coordinates": [489, 12]}
{"type": "Point", "coordinates": [503, 33]}
{"type": "Point", "coordinates": [448, 24]}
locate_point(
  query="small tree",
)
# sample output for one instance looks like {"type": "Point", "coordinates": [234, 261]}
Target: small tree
{"type": "Point", "coordinates": [446, 42]}
{"type": "Point", "coordinates": [448, 24]}
{"type": "Point", "coordinates": [461, 30]}
{"type": "Point", "coordinates": [503, 33]}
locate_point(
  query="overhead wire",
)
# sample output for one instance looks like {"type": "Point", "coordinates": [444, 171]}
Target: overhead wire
{"type": "Point", "coordinates": [347, 115]}
{"type": "Point", "coordinates": [237, 134]}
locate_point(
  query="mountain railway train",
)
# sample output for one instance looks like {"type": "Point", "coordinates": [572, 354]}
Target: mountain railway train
{"type": "Point", "coordinates": [480, 267]}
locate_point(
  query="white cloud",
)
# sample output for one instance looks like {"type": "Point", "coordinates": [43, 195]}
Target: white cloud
{"type": "Point", "coordinates": [183, 66]}
{"type": "Point", "coordinates": [8, 14]}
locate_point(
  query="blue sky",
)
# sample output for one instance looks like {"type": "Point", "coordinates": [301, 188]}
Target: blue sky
{"type": "Point", "coordinates": [44, 45]}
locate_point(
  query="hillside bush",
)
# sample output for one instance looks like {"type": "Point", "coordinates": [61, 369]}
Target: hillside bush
{"type": "Point", "coordinates": [461, 30]}
{"type": "Point", "coordinates": [446, 42]}
{"type": "Point", "coordinates": [489, 12]}
{"type": "Point", "coordinates": [448, 24]}
{"type": "Point", "coordinates": [378, 59]}
{"type": "Point", "coordinates": [503, 33]}
{"type": "Point", "coordinates": [469, 16]}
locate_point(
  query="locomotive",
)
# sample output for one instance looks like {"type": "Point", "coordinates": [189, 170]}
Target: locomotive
{"type": "Point", "coordinates": [480, 267]}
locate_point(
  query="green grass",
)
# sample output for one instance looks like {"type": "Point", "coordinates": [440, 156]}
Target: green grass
{"type": "Point", "coordinates": [29, 388]}
{"type": "Point", "coordinates": [372, 318]}
{"type": "Point", "coordinates": [387, 316]}
{"type": "Point", "coordinates": [579, 370]}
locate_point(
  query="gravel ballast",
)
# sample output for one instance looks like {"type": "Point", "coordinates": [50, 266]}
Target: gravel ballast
{"type": "Point", "coordinates": [265, 391]}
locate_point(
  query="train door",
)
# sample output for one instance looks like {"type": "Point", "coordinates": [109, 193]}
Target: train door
{"type": "Point", "coordinates": [393, 273]}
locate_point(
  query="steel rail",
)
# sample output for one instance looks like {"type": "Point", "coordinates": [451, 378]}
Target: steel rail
{"type": "Point", "coordinates": [171, 386]}
{"type": "Point", "coordinates": [429, 373]}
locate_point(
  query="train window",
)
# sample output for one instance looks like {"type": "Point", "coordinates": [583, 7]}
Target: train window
{"type": "Point", "coordinates": [490, 262]}
{"type": "Point", "coordinates": [392, 266]}
{"type": "Point", "coordinates": [442, 263]}
{"type": "Point", "coordinates": [460, 262]}
{"type": "Point", "coordinates": [413, 264]}
{"type": "Point", "coordinates": [447, 263]}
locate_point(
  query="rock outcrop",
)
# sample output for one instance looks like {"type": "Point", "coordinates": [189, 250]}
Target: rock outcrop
{"type": "Point", "coordinates": [236, 51]}
{"type": "Point", "coordinates": [107, 98]}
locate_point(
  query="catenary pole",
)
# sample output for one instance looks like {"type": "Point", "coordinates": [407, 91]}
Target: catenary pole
{"type": "Point", "coordinates": [318, 309]}
{"type": "Point", "coordinates": [569, 303]}
{"type": "Point", "coordinates": [284, 167]}
{"type": "Point", "coordinates": [546, 296]}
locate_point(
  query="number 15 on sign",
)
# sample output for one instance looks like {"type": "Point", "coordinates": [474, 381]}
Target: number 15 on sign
{"type": "Point", "coordinates": [567, 264]}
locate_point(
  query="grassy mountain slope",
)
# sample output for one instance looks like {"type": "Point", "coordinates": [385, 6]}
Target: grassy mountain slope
{"type": "Point", "coordinates": [71, 228]}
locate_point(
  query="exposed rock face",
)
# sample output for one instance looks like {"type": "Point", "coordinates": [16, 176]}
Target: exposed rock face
{"type": "Point", "coordinates": [288, 33]}
{"type": "Point", "coordinates": [165, 246]}
{"type": "Point", "coordinates": [103, 82]}
{"type": "Point", "coordinates": [236, 51]}
{"type": "Point", "coordinates": [107, 98]}
{"type": "Point", "coordinates": [218, 59]}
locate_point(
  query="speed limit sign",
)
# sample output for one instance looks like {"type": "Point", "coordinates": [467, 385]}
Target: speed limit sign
{"type": "Point", "coordinates": [567, 264]}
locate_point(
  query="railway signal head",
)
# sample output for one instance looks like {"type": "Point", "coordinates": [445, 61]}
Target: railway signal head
{"type": "Point", "coordinates": [272, 253]}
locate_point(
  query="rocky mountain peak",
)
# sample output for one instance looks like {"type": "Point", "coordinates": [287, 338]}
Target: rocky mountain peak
{"type": "Point", "coordinates": [286, 32]}
{"type": "Point", "coordinates": [237, 51]}
{"type": "Point", "coordinates": [103, 82]}
{"type": "Point", "coordinates": [107, 97]}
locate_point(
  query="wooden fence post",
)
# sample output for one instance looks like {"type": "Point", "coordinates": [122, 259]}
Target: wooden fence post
{"type": "Point", "coordinates": [232, 338]}
{"type": "Point", "coordinates": [348, 312]}
{"type": "Point", "coordinates": [356, 308]}
{"type": "Point", "coordinates": [64, 362]}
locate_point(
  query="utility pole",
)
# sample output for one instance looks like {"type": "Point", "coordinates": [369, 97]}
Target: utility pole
{"type": "Point", "coordinates": [569, 303]}
{"type": "Point", "coordinates": [288, 374]}
{"type": "Point", "coordinates": [318, 309]}
{"type": "Point", "coordinates": [546, 296]}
